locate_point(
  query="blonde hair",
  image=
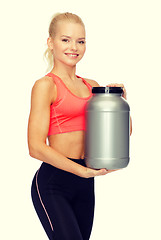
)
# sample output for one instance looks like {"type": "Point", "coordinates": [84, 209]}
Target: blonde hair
{"type": "Point", "coordinates": [52, 32]}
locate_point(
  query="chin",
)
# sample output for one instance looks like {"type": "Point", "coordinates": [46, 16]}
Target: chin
{"type": "Point", "coordinates": [71, 63]}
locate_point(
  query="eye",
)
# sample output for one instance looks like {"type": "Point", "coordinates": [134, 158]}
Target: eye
{"type": "Point", "coordinates": [81, 42]}
{"type": "Point", "coordinates": [65, 40]}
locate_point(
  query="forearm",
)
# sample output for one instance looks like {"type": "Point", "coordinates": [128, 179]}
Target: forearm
{"type": "Point", "coordinates": [47, 154]}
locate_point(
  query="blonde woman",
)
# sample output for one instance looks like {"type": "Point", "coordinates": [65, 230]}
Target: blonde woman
{"type": "Point", "coordinates": [63, 187]}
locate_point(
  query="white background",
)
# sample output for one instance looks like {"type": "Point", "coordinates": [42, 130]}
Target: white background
{"type": "Point", "coordinates": [123, 46]}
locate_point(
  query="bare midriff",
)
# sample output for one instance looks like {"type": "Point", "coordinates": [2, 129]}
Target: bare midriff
{"type": "Point", "coordinates": [70, 144]}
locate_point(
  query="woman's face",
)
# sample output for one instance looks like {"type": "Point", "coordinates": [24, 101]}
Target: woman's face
{"type": "Point", "coordinates": [68, 44]}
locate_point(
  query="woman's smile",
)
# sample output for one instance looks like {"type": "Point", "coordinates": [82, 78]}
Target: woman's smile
{"type": "Point", "coordinates": [72, 55]}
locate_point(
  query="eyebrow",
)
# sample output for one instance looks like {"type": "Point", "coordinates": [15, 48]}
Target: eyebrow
{"type": "Point", "coordinates": [70, 37]}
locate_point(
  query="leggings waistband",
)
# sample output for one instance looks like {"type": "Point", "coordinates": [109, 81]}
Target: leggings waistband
{"type": "Point", "coordinates": [80, 161]}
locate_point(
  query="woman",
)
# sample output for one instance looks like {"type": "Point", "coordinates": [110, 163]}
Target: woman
{"type": "Point", "coordinates": [63, 187]}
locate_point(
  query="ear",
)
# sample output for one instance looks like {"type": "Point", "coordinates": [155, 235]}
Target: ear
{"type": "Point", "coordinates": [50, 43]}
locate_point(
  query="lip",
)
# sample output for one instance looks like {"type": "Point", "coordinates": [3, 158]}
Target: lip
{"type": "Point", "coordinates": [72, 54]}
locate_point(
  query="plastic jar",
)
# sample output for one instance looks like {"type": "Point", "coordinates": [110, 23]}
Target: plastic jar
{"type": "Point", "coordinates": [107, 129]}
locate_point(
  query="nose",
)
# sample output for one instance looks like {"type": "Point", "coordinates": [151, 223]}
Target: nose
{"type": "Point", "coordinates": [73, 46]}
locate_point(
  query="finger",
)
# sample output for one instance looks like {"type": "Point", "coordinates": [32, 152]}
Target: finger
{"type": "Point", "coordinates": [115, 85]}
{"type": "Point", "coordinates": [109, 171]}
{"type": "Point", "coordinates": [119, 85]}
{"type": "Point", "coordinates": [105, 171]}
{"type": "Point", "coordinates": [102, 171]}
{"type": "Point", "coordinates": [124, 93]}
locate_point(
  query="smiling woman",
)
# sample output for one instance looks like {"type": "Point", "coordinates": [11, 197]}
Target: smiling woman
{"type": "Point", "coordinates": [69, 46]}
{"type": "Point", "coordinates": [63, 187]}
{"type": "Point", "coordinates": [53, 31]}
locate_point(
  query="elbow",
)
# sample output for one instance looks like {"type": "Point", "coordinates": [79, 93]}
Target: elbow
{"type": "Point", "coordinates": [37, 150]}
{"type": "Point", "coordinates": [34, 151]}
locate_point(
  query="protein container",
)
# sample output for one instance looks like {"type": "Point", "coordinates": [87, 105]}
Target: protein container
{"type": "Point", "coordinates": [107, 132]}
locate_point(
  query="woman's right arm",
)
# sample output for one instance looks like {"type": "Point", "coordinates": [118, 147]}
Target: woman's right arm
{"type": "Point", "coordinates": [38, 125]}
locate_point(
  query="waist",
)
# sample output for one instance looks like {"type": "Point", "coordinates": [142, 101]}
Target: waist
{"type": "Point", "coordinates": [47, 169]}
{"type": "Point", "coordinates": [70, 144]}
{"type": "Point", "coordinates": [80, 161]}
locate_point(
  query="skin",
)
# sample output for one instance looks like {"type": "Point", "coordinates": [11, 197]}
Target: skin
{"type": "Point", "coordinates": [69, 39]}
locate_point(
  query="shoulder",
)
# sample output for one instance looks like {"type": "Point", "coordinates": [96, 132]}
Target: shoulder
{"type": "Point", "coordinates": [43, 84]}
{"type": "Point", "coordinates": [43, 88]}
{"type": "Point", "coordinates": [93, 83]}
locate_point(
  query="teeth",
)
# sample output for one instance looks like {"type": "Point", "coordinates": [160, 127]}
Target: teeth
{"type": "Point", "coordinates": [72, 55]}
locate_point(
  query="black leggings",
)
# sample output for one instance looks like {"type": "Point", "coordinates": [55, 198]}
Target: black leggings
{"type": "Point", "coordinates": [64, 202]}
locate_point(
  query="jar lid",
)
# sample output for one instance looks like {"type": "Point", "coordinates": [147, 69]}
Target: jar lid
{"type": "Point", "coordinates": [116, 90]}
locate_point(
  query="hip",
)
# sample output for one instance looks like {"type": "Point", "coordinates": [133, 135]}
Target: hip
{"type": "Point", "coordinates": [52, 180]}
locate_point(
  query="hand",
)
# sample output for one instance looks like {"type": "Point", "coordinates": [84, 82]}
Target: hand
{"type": "Point", "coordinates": [93, 173]}
{"type": "Point", "coordinates": [124, 95]}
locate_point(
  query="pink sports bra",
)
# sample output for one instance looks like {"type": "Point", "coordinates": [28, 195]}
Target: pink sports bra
{"type": "Point", "coordinates": [67, 113]}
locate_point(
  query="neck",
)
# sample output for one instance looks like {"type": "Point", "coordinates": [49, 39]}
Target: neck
{"type": "Point", "coordinates": [65, 72]}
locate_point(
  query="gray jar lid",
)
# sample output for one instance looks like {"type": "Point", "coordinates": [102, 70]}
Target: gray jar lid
{"type": "Point", "coordinates": [116, 90]}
